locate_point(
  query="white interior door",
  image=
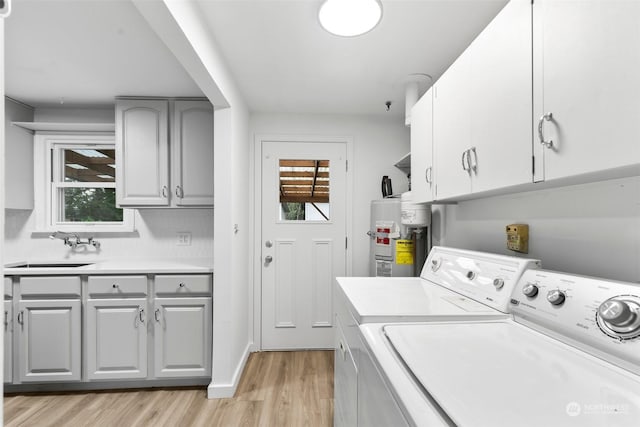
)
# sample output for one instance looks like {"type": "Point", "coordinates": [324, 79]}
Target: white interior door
{"type": "Point", "coordinates": [303, 241]}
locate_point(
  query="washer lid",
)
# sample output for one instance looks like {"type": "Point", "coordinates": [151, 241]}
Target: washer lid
{"type": "Point", "coordinates": [504, 374]}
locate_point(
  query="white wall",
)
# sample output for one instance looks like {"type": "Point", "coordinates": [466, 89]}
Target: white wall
{"type": "Point", "coordinates": [156, 229]}
{"type": "Point", "coordinates": [2, 188]}
{"type": "Point", "coordinates": [180, 26]}
{"type": "Point", "coordinates": [155, 237]}
{"type": "Point", "coordinates": [379, 142]}
{"type": "Point", "coordinates": [19, 146]}
{"type": "Point", "coordinates": [105, 114]}
{"type": "Point", "coordinates": [591, 229]}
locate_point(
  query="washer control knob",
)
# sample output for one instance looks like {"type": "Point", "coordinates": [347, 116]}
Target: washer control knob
{"type": "Point", "coordinates": [556, 297]}
{"type": "Point", "coordinates": [619, 317]}
{"type": "Point", "coordinates": [616, 312]}
{"type": "Point", "coordinates": [530, 290]}
{"type": "Point", "coordinates": [498, 283]}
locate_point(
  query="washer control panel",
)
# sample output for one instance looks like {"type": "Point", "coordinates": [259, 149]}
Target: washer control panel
{"type": "Point", "coordinates": [619, 317]}
{"type": "Point", "coordinates": [602, 314]}
{"type": "Point", "coordinates": [486, 278]}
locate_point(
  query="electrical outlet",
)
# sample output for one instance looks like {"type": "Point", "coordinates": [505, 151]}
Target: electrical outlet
{"type": "Point", "coordinates": [184, 238]}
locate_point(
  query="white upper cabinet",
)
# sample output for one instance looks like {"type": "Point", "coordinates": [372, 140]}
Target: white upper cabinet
{"type": "Point", "coordinates": [482, 110]}
{"type": "Point", "coordinates": [500, 101]}
{"type": "Point", "coordinates": [586, 67]}
{"type": "Point", "coordinates": [192, 153]}
{"type": "Point", "coordinates": [142, 152]}
{"type": "Point", "coordinates": [452, 129]}
{"type": "Point", "coordinates": [422, 172]}
{"type": "Point", "coordinates": [153, 170]}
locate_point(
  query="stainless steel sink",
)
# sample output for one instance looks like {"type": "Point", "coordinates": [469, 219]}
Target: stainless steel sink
{"type": "Point", "coordinates": [43, 265]}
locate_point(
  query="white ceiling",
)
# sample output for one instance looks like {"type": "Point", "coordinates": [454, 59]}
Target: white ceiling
{"type": "Point", "coordinates": [284, 61]}
{"type": "Point", "coordinates": [88, 52]}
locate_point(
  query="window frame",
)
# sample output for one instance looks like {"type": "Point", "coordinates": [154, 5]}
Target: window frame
{"type": "Point", "coordinates": [49, 164]}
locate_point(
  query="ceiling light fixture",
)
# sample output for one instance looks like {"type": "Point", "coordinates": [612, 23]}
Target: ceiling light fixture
{"type": "Point", "coordinates": [350, 18]}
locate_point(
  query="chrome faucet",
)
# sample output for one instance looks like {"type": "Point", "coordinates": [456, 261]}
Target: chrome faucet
{"type": "Point", "coordinates": [73, 240]}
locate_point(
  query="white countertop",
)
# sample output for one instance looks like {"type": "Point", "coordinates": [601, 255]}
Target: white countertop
{"type": "Point", "coordinates": [122, 266]}
{"type": "Point", "coordinates": [408, 299]}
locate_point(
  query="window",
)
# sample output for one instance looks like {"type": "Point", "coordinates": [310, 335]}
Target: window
{"type": "Point", "coordinates": [80, 184]}
{"type": "Point", "coordinates": [304, 190]}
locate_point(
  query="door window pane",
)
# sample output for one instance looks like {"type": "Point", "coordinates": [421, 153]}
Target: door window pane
{"type": "Point", "coordinates": [304, 190]}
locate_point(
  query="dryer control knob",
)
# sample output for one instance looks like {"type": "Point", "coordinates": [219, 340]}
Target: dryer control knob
{"type": "Point", "coordinates": [556, 297]}
{"type": "Point", "coordinates": [498, 283]}
{"type": "Point", "coordinates": [530, 290]}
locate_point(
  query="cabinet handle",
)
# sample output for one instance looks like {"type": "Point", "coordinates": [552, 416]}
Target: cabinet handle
{"type": "Point", "coordinates": [427, 175]}
{"type": "Point", "coordinates": [6, 319]}
{"type": "Point", "coordinates": [156, 314]}
{"type": "Point", "coordinates": [179, 192]}
{"type": "Point", "coordinates": [21, 317]}
{"type": "Point", "coordinates": [141, 315]}
{"type": "Point", "coordinates": [473, 166]}
{"type": "Point", "coordinates": [164, 191]}
{"type": "Point", "coordinates": [464, 168]}
{"type": "Point", "coordinates": [548, 117]}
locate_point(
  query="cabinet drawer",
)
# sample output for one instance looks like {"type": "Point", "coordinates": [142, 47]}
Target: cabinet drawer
{"type": "Point", "coordinates": [117, 286]}
{"type": "Point", "coordinates": [8, 289]}
{"type": "Point", "coordinates": [187, 285]}
{"type": "Point", "coordinates": [59, 286]}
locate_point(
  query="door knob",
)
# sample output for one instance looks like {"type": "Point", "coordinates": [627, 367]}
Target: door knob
{"type": "Point", "coordinates": [268, 259]}
{"type": "Point", "coordinates": [268, 243]}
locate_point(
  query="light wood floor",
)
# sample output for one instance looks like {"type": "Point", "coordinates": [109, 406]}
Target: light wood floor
{"type": "Point", "coordinates": [276, 389]}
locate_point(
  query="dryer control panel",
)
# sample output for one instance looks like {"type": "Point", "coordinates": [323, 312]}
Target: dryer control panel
{"type": "Point", "coordinates": [601, 316]}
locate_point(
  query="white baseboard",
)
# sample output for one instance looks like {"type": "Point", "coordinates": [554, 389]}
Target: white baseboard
{"type": "Point", "coordinates": [217, 391]}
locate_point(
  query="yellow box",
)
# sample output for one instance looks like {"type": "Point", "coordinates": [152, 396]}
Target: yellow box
{"type": "Point", "coordinates": [518, 237]}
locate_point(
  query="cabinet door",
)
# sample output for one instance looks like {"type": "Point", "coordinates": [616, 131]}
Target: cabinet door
{"type": "Point", "coordinates": [422, 172]}
{"type": "Point", "coordinates": [142, 153]}
{"type": "Point", "coordinates": [586, 68]}
{"type": "Point", "coordinates": [182, 337]}
{"type": "Point", "coordinates": [192, 153]}
{"type": "Point", "coordinates": [500, 100]}
{"type": "Point", "coordinates": [452, 129]}
{"type": "Point", "coordinates": [8, 342]}
{"type": "Point", "coordinates": [346, 380]}
{"type": "Point", "coordinates": [49, 340]}
{"type": "Point", "coordinates": [116, 334]}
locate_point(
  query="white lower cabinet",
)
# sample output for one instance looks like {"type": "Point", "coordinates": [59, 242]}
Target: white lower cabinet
{"type": "Point", "coordinates": [8, 330]}
{"type": "Point", "coordinates": [116, 332]}
{"type": "Point", "coordinates": [122, 329]}
{"type": "Point", "coordinates": [345, 383]}
{"type": "Point", "coordinates": [182, 337]}
{"type": "Point", "coordinates": [8, 342]}
{"type": "Point", "coordinates": [49, 340]}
